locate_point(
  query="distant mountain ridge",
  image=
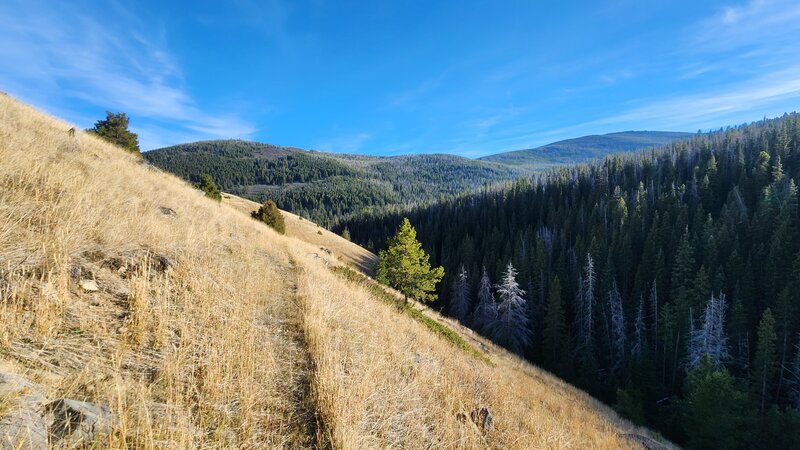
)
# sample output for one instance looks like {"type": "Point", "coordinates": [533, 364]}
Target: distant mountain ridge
{"type": "Point", "coordinates": [586, 148]}
{"type": "Point", "coordinates": [331, 187]}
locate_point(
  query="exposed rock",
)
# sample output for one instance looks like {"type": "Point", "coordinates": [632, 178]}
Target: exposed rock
{"type": "Point", "coordinates": [122, 292]}
{"type": "Point", "coordinates": [22, 391]}
{"type": "Point", "coordinates": [166, 262]}
{"type": "Point", "coordinates": [89, 285]}
{"type": "Point", "coordinates": [482, 418]}
{"type": "Point", "coordinates": [168, 212]}
{"type": "Point", "coordinates": [22, 429]}
{"type": "Point", "coordinates": [76, 423]}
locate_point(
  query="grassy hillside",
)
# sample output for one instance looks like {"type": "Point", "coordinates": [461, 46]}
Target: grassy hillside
{"type": "Point", "coordinates": [585, 148]}
{"type": "Point", "coordinates": [198, 327]}
{"type": "Point", "coordinates": [327, 187]}
{"type": "Point", "coordinates": [328, 244]}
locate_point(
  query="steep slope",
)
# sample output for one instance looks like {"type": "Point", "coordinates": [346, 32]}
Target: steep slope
{"type": "Point", "coordinates": [198, 327]}
{"type": "Point", "coordinates": [585, 148]}
{"type": "Point", "coordinates": [328, 243]}
{"type": "Point", "coordinates": [327, 187]}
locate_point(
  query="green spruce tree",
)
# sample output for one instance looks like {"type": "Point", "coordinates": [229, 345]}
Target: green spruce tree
{"type": "Point", "coordinates": [764, 364]}
{"type": "Point", "coordinates": [210, 188]}
{"type": "Point", "coordinates": [405, 266]}
{"type": "Point", "coordinates": [715, 409]}
{"type": "Point", "coordinates": [554, 335]}
{"type": "Point", "coordinates": [114, 129]}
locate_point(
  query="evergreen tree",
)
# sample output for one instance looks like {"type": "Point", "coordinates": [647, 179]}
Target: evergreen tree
{"type": "Point", "coordinates": [618, 335]}
{"type": "Point", "coordinates": [585, 308]}
{"type": "Point", "coordinates": [270, 215]}
{"type": "Point", "coordinates": [405, 266]}
{"type": "Point", "coordinates": [346, 234]}
{"type": "Point", "coordinates": [510, 327]}
{"type": "Point", "coordinates": [555, 333]}
{"type": "Point", "coordinates": [638, 331]}
{"type": "Point", "coordinates": [114, 129]}
{"type": "Point", "coordinates": [764, 364]}
{"type": "Point", "coordinates": [209, 188]}
{"type": "Point", "coordinates": [486, 311]}
{"type": "Point", "coordinates": [715, 409]}
{"type": "Point", "coordinates": [460, 301]}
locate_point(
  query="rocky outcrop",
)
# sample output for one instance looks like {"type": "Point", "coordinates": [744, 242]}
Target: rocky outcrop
{"type": "Point", "coordinates": [76, 424]}
{"type": "Point", "coordinates": [29, 421]}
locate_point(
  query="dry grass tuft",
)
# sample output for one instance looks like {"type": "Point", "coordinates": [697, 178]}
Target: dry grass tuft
{"type": "Point", "coordinates": [201, 328]}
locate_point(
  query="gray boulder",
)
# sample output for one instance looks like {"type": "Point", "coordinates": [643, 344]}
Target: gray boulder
{"type": "Point", "coordinates": [22, 429]}
{"type": "Point", "coordinates": [77, 424]}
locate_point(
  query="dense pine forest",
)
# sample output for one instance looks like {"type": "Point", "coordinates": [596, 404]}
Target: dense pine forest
{"type": "Point", "coordinates": [665, 283]}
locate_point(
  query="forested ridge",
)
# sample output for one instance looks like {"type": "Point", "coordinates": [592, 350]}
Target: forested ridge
{"type": "Point", "coordinates": [585, 148]}
{"type": "Point", "coordinates": [330, 188]}
{"type": "Point", "coordinates": [665, 283]}
{"type": "Point", "coordinates": [326, 187]}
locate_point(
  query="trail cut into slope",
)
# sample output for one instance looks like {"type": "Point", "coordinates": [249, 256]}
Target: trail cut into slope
{"type": "Point", "coordinates": [178, 322]}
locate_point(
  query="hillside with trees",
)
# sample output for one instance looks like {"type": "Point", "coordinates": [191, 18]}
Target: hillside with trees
{"type": "Point", "coordinates": [329, 188]}
{"type": "Point", "coordinates": [665, 283]}
{"type": "Point", "coordinates": [139, 313]}
{"type": "Point", "coordinates": [585, 148]}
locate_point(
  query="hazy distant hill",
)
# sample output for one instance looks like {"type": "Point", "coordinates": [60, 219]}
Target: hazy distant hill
{"type": "Point", "coordinates": [585, 148]}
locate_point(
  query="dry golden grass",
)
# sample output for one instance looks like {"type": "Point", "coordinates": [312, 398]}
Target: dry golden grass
{"type": "Point", "coordinates": [384, 380]}
{"type": "Point", "coordinates": [191, 355]}
{"type": "Point", "coordinates": [209, 330]}
{"type": "Point", "coordinates": [345, 251]}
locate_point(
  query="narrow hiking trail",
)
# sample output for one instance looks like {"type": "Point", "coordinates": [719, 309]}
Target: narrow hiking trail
{"type": "Point", "coordinates": [298, 418]}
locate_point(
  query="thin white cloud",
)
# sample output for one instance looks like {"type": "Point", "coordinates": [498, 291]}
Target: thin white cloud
{"type": "Point", "coordinates": [60, 56]}
{"type": "Point", "coordinates": [762, 94]}
{"type": "Point", "coordinates": [757, 22]}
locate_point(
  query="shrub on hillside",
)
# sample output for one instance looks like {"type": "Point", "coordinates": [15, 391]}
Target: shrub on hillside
{"type": "Point", "coordinates": [208, 186]}
{"type": "Point", "coordinates": [270, 215]}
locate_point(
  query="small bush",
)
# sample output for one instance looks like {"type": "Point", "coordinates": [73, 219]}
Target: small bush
{"type": "Point", "coordinates": [208, 186]}
{"type": "Point", "coordinates": [271, 215]}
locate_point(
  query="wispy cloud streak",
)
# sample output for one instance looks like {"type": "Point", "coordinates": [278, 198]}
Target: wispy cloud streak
{"type": "Point", "coordinates": [61, 56]}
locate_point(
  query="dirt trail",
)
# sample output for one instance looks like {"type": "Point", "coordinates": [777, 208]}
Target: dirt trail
{"type": "Point", "coordinates": [300, 419]}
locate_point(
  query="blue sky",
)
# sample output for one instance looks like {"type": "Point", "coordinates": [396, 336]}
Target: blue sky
{"type": "Point", "coordinates": [392, 77]}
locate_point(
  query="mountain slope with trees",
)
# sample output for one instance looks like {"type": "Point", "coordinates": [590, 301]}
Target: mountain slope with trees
{"type": "Point", "coordinates": [585, 148]}
{"type": "Point", "coordinates": [329, 187]}
{"type": "Point", "coordinates": [141, 313]}
{"type": "Point", "coordinates": [664, 282]}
